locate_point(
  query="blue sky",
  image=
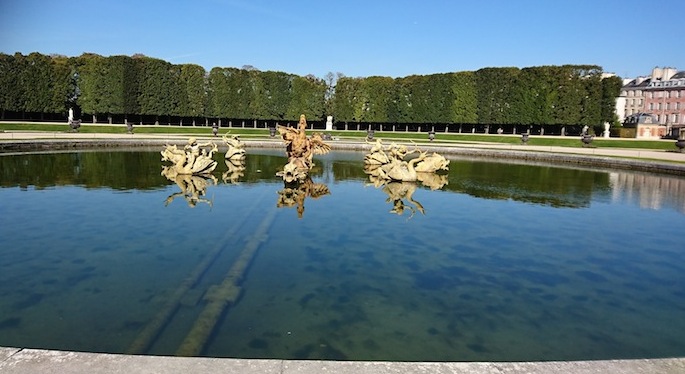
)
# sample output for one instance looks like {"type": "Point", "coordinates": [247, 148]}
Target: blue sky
{"type": "Point", "coordinates": [357, 38]}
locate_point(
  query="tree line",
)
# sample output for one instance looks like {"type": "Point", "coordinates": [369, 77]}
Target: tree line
{"type": "Point", "coordinates": [141, 85]}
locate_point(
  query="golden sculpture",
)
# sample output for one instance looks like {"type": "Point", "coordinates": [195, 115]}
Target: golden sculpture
{"type": "Point", "coordinates": [300, 150]}
{"type": "Point", "coordinates": [193, 159]}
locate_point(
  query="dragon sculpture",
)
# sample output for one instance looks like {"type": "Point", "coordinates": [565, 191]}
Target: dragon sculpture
{"type": "Point", "coordinates": [300, 150]}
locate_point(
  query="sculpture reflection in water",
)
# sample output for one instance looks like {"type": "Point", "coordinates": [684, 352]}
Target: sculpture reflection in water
{"type": "Point", "coordinates": [300, 150]}
{"type": "Point", "coordinates": [388, 167]}
{"type": "Point", "coordinates": [398, 192]}
{"type": "Point", "coordinates": [295, 194]}
{"type": "Point", "coordinates": [193, 187]}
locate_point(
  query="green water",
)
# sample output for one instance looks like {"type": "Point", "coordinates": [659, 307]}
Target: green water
{"type": "Point", "coordinates": [506, 262]}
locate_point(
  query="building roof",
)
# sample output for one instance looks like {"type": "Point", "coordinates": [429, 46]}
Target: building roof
{"type": "Point", "coordinates": [679, 75]}
{"type": "Point", "coordinates": [642, 83]}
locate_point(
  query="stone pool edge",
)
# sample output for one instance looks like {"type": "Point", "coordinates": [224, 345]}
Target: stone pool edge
{"type": "Point", "coordinates": [24, 361]}
{"type": "Point", "coordinates": [654, 161]}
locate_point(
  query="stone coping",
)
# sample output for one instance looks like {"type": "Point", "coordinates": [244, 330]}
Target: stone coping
{"type": "Point", "coordinates": [668, 162]}
{"type": "Point", "coordinates": [25, 361]}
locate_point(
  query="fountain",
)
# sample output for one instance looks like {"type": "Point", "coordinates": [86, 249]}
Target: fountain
{"type": "Point", "coordinates": [459, 281]}
{"type": "Point", "coordinates": [300, 150]}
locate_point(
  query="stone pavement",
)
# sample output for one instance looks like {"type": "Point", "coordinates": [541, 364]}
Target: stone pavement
{"type": "Point", "coordinates": [30, 361]}
{"type": "Point", "coordinates": [25, 361]}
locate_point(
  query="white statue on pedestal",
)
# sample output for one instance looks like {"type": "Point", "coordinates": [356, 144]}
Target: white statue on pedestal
{"type": "Point", "coordinates": [329, 123]}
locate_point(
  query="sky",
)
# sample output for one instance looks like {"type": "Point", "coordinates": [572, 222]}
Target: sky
{"type": "Point", "coordinates": [358, 38]}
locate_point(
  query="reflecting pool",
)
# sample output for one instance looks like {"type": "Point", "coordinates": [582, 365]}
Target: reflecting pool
{"type": "Point", "coordinates": [491, 262]}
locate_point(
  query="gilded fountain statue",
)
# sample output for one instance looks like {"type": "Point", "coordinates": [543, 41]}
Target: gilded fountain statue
{"type": "Point", "coordinates": [300, 150]}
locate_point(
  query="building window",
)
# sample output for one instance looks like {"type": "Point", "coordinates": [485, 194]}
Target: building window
{"type": "Point", "coordinates": [651, 106]}
{"type": "Point", "coordinates": [675, 118]}
{"type": "Point", "coordinates": [638, 93]}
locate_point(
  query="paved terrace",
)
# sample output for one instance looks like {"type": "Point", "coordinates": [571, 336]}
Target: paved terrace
{"type": "Point", "coordinates": [25, 361]}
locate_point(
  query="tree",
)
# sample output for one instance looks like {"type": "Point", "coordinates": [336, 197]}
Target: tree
{"type": "Point", "coordinates": [348, 99]}
{"type": "Point", "coordinates": [159, 89]}
{"type": "Point", "coordinates": [494, 91]}
{"type": "Point", "coordinates": [534, 96]}
{"type": "Point", "coordinates": [464, 101]}
{"type": "Point", "coordinates": [272, 93]}
{"type": "Point", "coordinates": [308, 97]}
{"type": "Point", "coordinates": [330, 80]}
{"type": "Point", "coordinates": [35, 79]}
{"type": "Point", "coordinates": [11, 93]}
{"type": "Point", "coordinates": [63, 84]}
{"type": "Point", "coordinates": [591, 104]}
{"type": "Point", "coordinates": [193, 87]}
{"type": "Point", "coordinates": [611, 88]}
{"type": "Point", "coordinates": [380, 94]}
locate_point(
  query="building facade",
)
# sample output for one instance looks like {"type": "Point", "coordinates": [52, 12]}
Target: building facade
{"type": "Point", "coordinates": [662, 94]}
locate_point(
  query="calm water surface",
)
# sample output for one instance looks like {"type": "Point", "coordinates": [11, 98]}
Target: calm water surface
{"type": "Point", "coordinates": [505, 261]}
